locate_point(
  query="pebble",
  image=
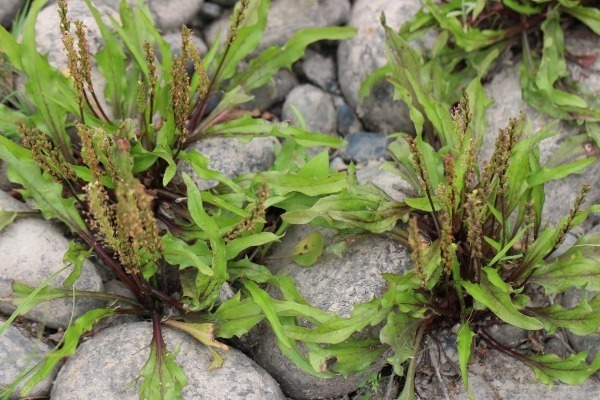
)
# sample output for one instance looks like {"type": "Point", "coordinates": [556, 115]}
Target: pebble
{"type": "Point", "coordinates": [9, 11]}
{"type": "Point", "coordinates": [365, 146]}
{"type": "Point", "coordinates": [316, 107]}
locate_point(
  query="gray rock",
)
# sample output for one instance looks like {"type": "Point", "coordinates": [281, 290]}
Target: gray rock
{"type": "Point", "coordinates": [332, 285]}
{"type": "Point", "coordinates": [232, 157]}
{"type": "Point", "coordinates": [31, 250]}
{"type": "Point", "coordinates": [5, 184]}
{"type": "Point", "coordinates": [363, 54]}
{"type": "Point", "coordinates": [107, 366]}
{"type": "Point", "coordinates": [581, 41]}
{"type": "Point", "coordinates": [286, 17]}
{"type": "Point", "coordinates": [172, 14]}
{"type": "Point", "coordinates": [211, 10]}
{"type": "Point", "coordinates": [320, 70]}
{"type": "Point", "coordinates": [315, 106]}
{"type": "Point", "coordinates": [18, 353]}
{"type": "Point", "coordinates": [505, 90]}
{"type": "Point", "coordinates": [572, 298]}
{"type": "Point", "coordinates": [365, 146]}
{"type": "Point", "coordinates": [174, 40]}
{"type": "Point", "coordinates": [273, 91]}
{"type": "Point", "coordinates": [347, 121]}
{"type": "Point", "coordinates": [224, 3]}
{"type": "Point", "coordinates": [494, 375]}
{"type": "Point", "coordinates": [9, 10]}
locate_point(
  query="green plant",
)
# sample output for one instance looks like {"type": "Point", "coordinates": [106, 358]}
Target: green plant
{"type": "Point", "coordinates": [478, 242]}
{"type": "Point", "coordinates": [107, 170]}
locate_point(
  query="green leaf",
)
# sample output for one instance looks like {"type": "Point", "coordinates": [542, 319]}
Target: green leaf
{"type": "Point", "coordinates": [549, 368]}
{"type": "Point", "coordinates": [464, 344]}
{"type": "Point", "coordinates": [164, 379]}
{"type": "Point", "coordinates": [400, 333]}
{"type": "Point", "coordinates": [75, 256]}
{"type": "Point", "coordinates": [39, 186]}
{"type": "Point", "coordinates": [68, 346]}
{"type": "Point", "coordinates": [309, 249]}
{"type": "Point", "coordinates": [236, 316]}
{"type": "Point", "coordinates": [201, 332]}
{"type": "Point", "coordinates": [266, 65]}
{"type": "Point", "coordinates": [7, 218]}
{"type": "Point", "coordinates": [588, 15]}
{"type": "Point", "coordinates": [583, 319]}
{"type": "Point", "coordinates": [238, 245]}
{"type": "Point", "coordinates": [208, 286]}
{"type": "Point", "coordinates": [178, 252]}
{"type": "Point", "coordinates": [496, 297]}
{"type": "Point", "coordinates": [577, 271]}
{"type": "Point", "coordinates": [351, 356]}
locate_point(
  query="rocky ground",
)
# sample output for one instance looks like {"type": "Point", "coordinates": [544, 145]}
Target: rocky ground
{"type": "Point", "coordinates": [324, 88]}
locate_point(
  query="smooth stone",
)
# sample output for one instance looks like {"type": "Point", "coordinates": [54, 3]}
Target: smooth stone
{"type": "Point", "coordinates": [365, 146]}
{"type": "Point", "coordinates": [31, 250]}
{"type": "Point", "coordinates": [107, 367]}
{"type": "Point", "coordinates": [315, 106]}
{"type": "Point", "coordinates": [505, 90]}
{"type": "Point", "coordinates": [359, 56]}
{"type": "Point", "coordinates": [174, 40]}
{"type": "Point", "coordinates": [286, 17]}
{"type": "Point", "coordinates": [232, 157]}
{"type": "Point", "coordinates": [172, 14]}
{"type": "Point", "coordinates": [320, 70]}
{"type": "Point", "coordinates": [18, 353]}
{"type": "Point", "coordinates": [9, 10]}
{"type": "Point", "coordinates": [332, 285]}
{"type": "Point", "coordinates": [224, 3]}
{"type": "Point", "coordinates": [211, 10]}
{"type": "Point", "coordinates": [347, 121]}
{"type": "Point", "coordinates": [581, 41]}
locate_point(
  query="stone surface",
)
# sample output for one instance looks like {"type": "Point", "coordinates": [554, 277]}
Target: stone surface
{"type": "Point", "coordinates": [172, 14]}
{"type": "Point", "coordinates": [333, 285]}
{"type": "Point", "coordinates": [315, 106]}
{"type": "Point", "coordinates": [505, 90]}
{"type": "Point", "coordinates": [31, 250]}
{"type": "Point", "coordinates": [320, 70]}
{"type": "Point", "coordinates": [582, 42]}
{"type": "Point", "coordinates": [272, 92]}
{"type": "Point", "coordinates": [363, 54]}
{"type": "Point", "coordinates": [286, 17]}
{"type": "Point", "coordinates": [347, 121]}
{"type": "Point", "coordinates": [107, 366]}
{"type": "Point", "coordinates": [232, 157]}
{"type": "Point", "coordinates": [393, 185]}
{"type": "Point", "coordinates": [18, 353]}
{"type": "Point", "coordinates": [9, 10]}
{"type": "Point", "coordinates": [572, 298]}
{"type": "Point", "coordinates": [365, 146]}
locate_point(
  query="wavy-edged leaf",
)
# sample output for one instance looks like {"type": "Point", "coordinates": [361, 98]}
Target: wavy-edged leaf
{"type": "Point", "coordinates": [496, 297]}
{"type": "Point", "coordinates": [238, 245]}
{"type": "Point", "coordinates": [400, 332]}
{"type": "Point", "coordinates": [577, 271]}
{"type": "Point", "coordinates": [583, 319]}
{"type": "Point", "coordinates": [574, 370]}
{"type": "Point", "coordinates": [351, 356]}
{"type": "Point", "coordinates": [309, 249]}
{"type": "Point", "coordinates": [7, 218]}
{"type": "Point", "coordinates": [75, 256]}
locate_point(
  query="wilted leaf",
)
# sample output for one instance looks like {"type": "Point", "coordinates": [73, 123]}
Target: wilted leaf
{"type": "Point", "coordinates": [309, 249]}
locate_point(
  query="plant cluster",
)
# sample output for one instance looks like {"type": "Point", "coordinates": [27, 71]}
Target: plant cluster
{"type": "Point", "coordinates": [108, 171]}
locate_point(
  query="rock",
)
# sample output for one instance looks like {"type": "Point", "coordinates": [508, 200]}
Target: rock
{"type": "Point", "coordinates": [172, 14]}
{"type": "Point", "coordinates": [332, 285]}
{"type": "Point", "coordinates": [320, 70]}
{"type": "Point", "coordinates": [31, 250]}
{"type": "Point", "coordinates": [174, 40]}
{"type": "Point", "coordinates": [232, 157]}
{"type": "Point", "coordinates": [224, 3]}
{"type": "Point", "coordinates": [211, 10]}
{"type": "Point", "coordinates": [5, 184]}
{"type": "Point", "coordinates": [272, 92]}
{"type": "Point", "coordinates": [572, 298]}
{"type": "Point", "coordinates": [360, 56]}
{"type": "Point", "coordinates": [494, 375]}
{"type": "Point", "coordinates": [505, 90]}
{"type": "Point", "coordinates": [286, 17]}
{"type": "Point", "coordinates": [18, 353]}
{"type": "Point", "coordinates": [347, 121]}
{"type": "Point", "coordinates": [107, 366]}
{"type": "Point", "coordinates": [365, 146]}
{"type": "Point", "coordinates": [582, 42]}
{"type": "Point", "coordinates": [315, 106]}
{"type": "Point", "coordinates": [393, 185]}
{"type": "Point", "coordinates": [8, 11]}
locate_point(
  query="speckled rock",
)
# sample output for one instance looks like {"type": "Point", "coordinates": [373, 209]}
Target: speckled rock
{"type": "Point", "coordinates": [107, 366]}
{"type": "Point", "coordinates": [232, 157]}
{"type": "Point", "coordinates": [315, 106]}
{"type": "Point", "coordinates": [9, 10]}
{"type": "Point", "coordinates": [18, 353]}
{"type": "Point", "coordinates": [333, 285]}
{"type": "Point", "coordinates": [363, 54]}
{"type": "Point", "coordinates": [31, 250]}
{"type": "Point", "coordinates": [505, 90]}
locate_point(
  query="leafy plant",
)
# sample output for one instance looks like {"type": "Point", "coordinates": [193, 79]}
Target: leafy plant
{"type": "Point", "coordinates": [105, 164]}
{"type": "Point", "coordinates": [478, 242]}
